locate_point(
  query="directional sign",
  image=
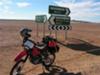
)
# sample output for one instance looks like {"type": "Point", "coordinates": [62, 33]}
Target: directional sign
{"type": "Point", "coordinates": [55, 27]}
{"type": "Point", "coordinates": [61, 27]}
{"type": "Point", "coordinates": [40, 18]}
{"type": "Point", "coordinates": [59, 10]}
{"type": "Point", "coordinates": [59, 20]}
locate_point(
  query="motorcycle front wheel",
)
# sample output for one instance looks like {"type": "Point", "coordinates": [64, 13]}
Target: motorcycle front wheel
{"type": "Point", "coordinates": [17, 68]}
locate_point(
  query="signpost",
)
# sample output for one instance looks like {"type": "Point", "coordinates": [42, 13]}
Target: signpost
{"type": "Point", "coordinates": [41, 19]}
{"type": "Point", "coordinates": [62, 20]}
{"type": "Point", "coordinates": [59, 18]}
{"type": "Point", "coordinates": [58, 27]}
{"type": "Point", "coordinates": [58, 10]}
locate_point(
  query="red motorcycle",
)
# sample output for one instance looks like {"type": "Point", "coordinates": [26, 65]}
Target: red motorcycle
{"type": "Point", "coordinates": [37, 53]}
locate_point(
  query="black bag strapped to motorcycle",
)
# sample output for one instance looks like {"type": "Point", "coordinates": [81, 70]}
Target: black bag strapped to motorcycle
{"type": "Point", "coordinates": [52, 44]}
{"type": "Point", "coordinates": [53, 47]}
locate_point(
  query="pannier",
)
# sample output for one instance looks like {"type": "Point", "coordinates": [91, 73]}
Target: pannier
{"type": "Point", "coordinates": [52, 44]}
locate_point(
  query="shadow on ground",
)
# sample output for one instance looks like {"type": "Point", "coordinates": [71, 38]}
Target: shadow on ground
{"type": "Point", "coordinates": [77, 44]}
{"type": "Point", "coordinates": [57, 70]}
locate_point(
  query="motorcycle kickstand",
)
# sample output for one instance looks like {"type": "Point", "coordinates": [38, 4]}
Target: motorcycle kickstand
{"type": "Point", "coordinates": [55, 63]}
{"type": "Point", "coordinates": [43, 68]}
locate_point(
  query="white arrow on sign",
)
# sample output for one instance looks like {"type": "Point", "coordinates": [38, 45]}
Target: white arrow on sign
{"type": "Point", "coordinates": [51, 20]}
{"type": "Point", "coordinates": [59, 20]}
{"type": "Point", "coordinates": [68, 11]}
{"type": "Point", "coordinates": [56, 27]}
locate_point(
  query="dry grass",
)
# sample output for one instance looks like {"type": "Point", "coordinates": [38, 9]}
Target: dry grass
{"type": "Point", "coordinates": [73, 60]}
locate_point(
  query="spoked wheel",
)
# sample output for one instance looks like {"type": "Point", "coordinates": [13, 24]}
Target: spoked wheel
{"type": "Point", "coordinates": [55, 68]}
{"type": "Point", "coordinates": [17, 68]}
{"type": "Point", "coordinates": [49, 60]}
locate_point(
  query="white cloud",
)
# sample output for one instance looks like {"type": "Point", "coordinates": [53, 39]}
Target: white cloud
{"type": "Point", "coordinates": [6, 11]}
{"type": "Point", "coordinates": [97, 9]}
{"type": "Point", "coordinates": [1, 3]}
{"type": "Point", "coordinates": [5, 7]}
{"type": "Point", "coordinates": [82, 9]}
{"type": "Point", "coordinates": [23, 4]}
{"type": "Point", "coordinates": [6, 1]}
{"type": "Point", "coordinates": [96, 4]}
{"type": "Point", "coordinates": [17, 16]}
{"type": "Point", "coordinates": [75, 6]}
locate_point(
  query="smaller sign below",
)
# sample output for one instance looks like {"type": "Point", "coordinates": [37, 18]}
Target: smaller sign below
{"type": "Point", "coordinates": [62, 20]}
{"type": "Point", "coordinates": [40, 18]}
{"type": "Point", "coordinates": [59, 20]}
{"type": "Point", "coordinates": [58, 27]}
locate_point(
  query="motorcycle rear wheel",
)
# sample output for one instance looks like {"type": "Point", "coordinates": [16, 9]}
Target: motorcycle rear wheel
{"type": "Point", "coordinates": [49, 60]}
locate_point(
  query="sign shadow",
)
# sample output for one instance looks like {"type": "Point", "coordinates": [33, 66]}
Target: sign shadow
{"type": "Point", "coordinates": [57, 70]}
{"type": "Point", "coordinates": [82, 45]}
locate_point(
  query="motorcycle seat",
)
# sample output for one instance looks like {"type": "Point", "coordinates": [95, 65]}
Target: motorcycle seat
{"type": "Point", "coordinates": [41, 45]}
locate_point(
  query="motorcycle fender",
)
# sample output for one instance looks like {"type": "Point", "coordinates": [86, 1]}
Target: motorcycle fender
{"type": "Point", "coordinates": [20, 55]}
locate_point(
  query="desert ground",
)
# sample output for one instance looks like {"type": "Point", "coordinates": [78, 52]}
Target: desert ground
{"type": "Point", "coordinates": [79, 55]}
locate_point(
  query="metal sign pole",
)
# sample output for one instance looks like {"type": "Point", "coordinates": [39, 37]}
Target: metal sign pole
{"type": "Point", "coordinates": [66, 34]}
{"type": "Point", "coordinates": [56, 34]}
{"type": "Point", "coordinates": [43, 29]}
{"type": "Point", "coordinates": [37, 31]}
{"type": "Point", "coordinates": [50, 32]}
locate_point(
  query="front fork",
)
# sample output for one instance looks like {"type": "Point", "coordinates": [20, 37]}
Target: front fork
{"type": "Point", "coordinates": [25, 59]}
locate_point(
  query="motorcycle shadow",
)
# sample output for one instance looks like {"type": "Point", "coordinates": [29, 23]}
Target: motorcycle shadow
{"type": "Point", "coordinates": [57, 70]}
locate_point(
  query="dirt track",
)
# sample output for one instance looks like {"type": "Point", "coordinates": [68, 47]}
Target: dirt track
{"type": "Point", "coordinates": [81, 53]}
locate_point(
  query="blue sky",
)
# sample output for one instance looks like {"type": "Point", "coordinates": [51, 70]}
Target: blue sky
{"type": "Point", "coordinates": [88, 10]}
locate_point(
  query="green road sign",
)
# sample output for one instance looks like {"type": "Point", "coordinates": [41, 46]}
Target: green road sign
{"type": "Point", "coordinates": [59, 10]}
{"type": "Point", "coordinates": [59, 20]}
{"type": "Point", "coordinates": [40, 18]}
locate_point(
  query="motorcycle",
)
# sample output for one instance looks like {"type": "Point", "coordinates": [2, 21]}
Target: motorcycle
{"type": "Point", "coordinates": [37, 53]}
